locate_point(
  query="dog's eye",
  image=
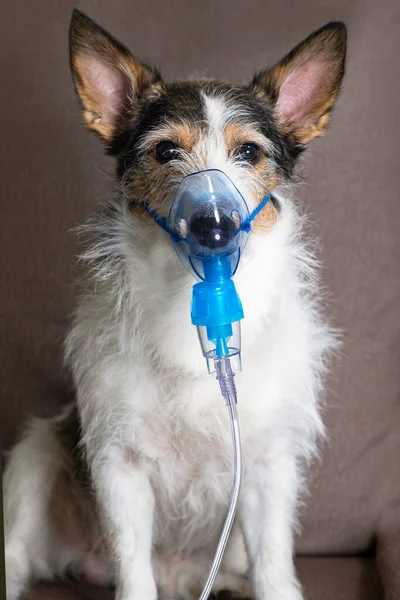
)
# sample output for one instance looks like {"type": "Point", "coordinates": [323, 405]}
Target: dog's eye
{"type": "Point", "coordinates": [249, 152]}
{"type": "Point", "coordinates": [166, 151]}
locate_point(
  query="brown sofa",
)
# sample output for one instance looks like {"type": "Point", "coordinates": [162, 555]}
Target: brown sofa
{"type": "Point", "coordinates": [53, 173]}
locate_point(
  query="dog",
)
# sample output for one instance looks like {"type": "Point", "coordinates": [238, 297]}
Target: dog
{"type": "Point", "coordinates": [130, 484]}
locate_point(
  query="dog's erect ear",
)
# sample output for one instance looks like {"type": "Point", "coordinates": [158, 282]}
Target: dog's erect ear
{"type": "Point", "coordinates": [304, 85]}
{"type": "Point", "coordinates": [108, 79]}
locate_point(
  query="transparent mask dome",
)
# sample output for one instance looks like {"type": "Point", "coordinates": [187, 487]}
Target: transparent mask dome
{"type": "Point", "coordinates": [205, 221]}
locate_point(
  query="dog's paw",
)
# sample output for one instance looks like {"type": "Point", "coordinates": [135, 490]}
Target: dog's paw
{"type": "Point", "coordinates": [16, 573]}
{"type": "Point", "coordinates": [283, 589]}
{"type": "Point", "coordinates": [283, 593]}
{"type": "Point", "coordinates": [143, 590]}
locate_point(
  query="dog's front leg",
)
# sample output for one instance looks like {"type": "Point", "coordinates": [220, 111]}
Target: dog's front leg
{"type": "Point", "coordinates": [267, 511]}
{"type": "Point", "coordinates": [126, 504]}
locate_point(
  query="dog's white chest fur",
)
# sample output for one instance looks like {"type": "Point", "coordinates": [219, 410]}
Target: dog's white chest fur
{"type": "Point", "coordinates": [163, 410]}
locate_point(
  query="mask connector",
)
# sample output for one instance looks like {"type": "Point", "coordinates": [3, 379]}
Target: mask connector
{"type": "Point", "coordinates": [217, 311]}
{"type": "Point", "coordinates": [219, 344]}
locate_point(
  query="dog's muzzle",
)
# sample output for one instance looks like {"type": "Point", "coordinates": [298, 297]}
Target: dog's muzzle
{"type": "Point", "coordinates": [207, 220]}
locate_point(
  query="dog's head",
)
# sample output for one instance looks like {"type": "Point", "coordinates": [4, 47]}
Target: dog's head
{"type": "Point", "coordinates": [159, 132]}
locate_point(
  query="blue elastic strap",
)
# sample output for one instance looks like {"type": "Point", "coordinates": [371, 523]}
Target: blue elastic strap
{"type": "Point", "coordinates": [246, 225]}
{"type": "Point", "coordinates": [163, 223]}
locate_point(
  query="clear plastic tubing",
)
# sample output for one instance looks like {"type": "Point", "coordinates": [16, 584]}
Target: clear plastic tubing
{"type": "Point", "coordinates": [225, 377]}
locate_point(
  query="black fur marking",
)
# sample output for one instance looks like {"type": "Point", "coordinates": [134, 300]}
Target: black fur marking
{"type": "Point", "coordinates": [181, 102]}
{"type": "Point", "coordinates": [276, 203]}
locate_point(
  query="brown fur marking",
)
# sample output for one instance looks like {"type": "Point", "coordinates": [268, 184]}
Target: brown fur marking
{"type": "Point", "coordinates": [186, 136]}
{"type": "Point", "coordinates": [236, 134]}
{"type": "Point", "coordinates": [266, 219]}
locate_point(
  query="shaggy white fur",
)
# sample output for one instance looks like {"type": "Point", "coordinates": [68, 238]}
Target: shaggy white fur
{"type": "Point", "coordinates": [142, 386]}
